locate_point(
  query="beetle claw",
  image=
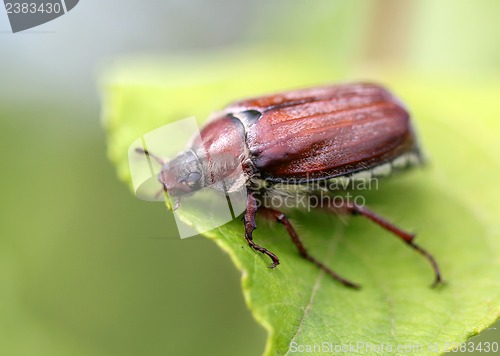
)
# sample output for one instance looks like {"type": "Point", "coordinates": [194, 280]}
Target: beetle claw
{"type": "Point", "coordinates": [438, 283]}
{"type": "Point", "coordinates": [274, 264]}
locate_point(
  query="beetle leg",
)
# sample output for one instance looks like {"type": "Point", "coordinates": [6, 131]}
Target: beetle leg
{"type": "Point", "coordinates": [350, 207]}
{"type": "Point", "coordinates": [250, 225]}
{"type": "Point", "coordinates": [281, 218]}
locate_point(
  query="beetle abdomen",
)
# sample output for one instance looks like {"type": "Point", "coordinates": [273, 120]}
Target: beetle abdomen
{"type": "Point", "coordinates": [320, 133]}
{"type": "Point", "coordinates": [362, 180]}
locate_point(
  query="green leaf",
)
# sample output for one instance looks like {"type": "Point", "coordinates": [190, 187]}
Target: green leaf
{"type": "Point", "coordinates": [452, 204]}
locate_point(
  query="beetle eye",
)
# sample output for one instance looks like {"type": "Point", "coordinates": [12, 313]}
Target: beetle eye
{"type": "Point", "coordinates": [193, 178]}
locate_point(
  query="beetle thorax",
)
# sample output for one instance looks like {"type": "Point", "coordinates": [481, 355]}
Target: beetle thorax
{"type": "Point", "coordinates": [221, 150]}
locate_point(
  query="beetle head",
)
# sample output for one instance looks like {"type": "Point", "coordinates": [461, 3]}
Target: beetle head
{"type": "Point", "coordinates": [181, 175]}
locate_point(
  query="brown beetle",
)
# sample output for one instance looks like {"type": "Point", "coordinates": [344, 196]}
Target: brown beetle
{"type": "Point", "coordinates": [294, 144]}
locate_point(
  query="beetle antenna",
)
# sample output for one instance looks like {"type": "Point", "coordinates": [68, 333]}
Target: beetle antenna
{"type": "Point", "coordinates": [149, 154]}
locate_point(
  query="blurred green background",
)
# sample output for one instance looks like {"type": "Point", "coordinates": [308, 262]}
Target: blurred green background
{"type": "Point", "coordinates": [85, 267]}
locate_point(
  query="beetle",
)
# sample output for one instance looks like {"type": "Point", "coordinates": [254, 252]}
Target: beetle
{"type": "Point", "coordinates": [296, 143]}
